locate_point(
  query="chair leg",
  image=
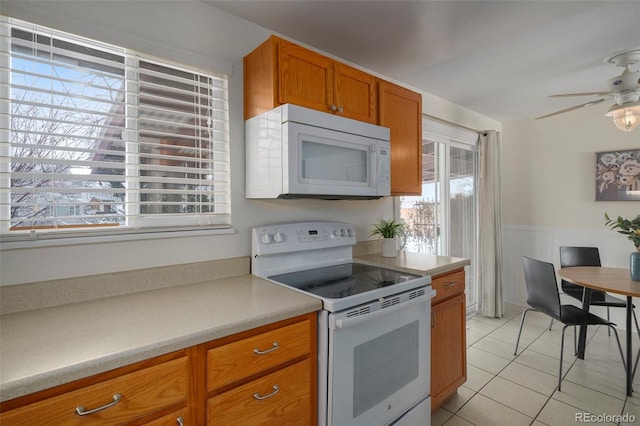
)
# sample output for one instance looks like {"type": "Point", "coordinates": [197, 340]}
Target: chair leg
{"type": "Point", "coordinates": [561, 355]}
{"type": "Point", "coordinates": [608, 319]}
{"type": "Point", "coordinates": [635, 366]}
{"type": "Point", "coordinates": [615, 332]}
{"type": "Point", "coordinates": [520, 331]}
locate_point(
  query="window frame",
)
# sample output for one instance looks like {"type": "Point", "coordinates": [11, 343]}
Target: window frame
{"type": "Point", "coordinates": [151, 224]}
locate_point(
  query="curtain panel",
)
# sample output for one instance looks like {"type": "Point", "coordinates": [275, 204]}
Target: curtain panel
{"type": "Point", "coordinates": [490, 294]}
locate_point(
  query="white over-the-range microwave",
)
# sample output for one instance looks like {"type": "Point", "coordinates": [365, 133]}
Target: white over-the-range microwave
{"type": "Point", "coordinates": [296, 152]}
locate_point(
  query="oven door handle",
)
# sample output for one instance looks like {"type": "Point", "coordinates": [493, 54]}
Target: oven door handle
{"type": "Point", "coordinates": [344, 323]}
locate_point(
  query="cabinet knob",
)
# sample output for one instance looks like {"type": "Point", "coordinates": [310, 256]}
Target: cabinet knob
{"type": "Point", "coordinates": [340, 109]}
{"type": "Point", "coordinates": [333, 108]}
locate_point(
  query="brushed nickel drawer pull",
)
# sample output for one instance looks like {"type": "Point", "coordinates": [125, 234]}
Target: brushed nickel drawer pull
{"type": "Point", "coordinates": [81, 411]}
{"type": "Point", "coordinates": [180, 421]}
{"type": "Point", "coordinates": [259, 352]}
{"type": "Point", "coordinates": [450, 284]}
{"type": "Point", "coordinates": [259, 397]}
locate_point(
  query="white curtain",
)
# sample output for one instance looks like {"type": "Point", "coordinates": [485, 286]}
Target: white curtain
{"type": "Point", "coordinates": [489, 301]}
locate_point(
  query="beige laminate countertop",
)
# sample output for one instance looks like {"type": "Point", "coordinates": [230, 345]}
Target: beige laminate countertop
{"type": "Point", "coordinates": [50, 346]}
{"type": "Point", "coordinates": [417, 262]}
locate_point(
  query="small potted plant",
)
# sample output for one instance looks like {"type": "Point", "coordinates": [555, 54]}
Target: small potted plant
{"type": "Point", "coordinates": [630, 228]}
{"type": "Point", "coordinates": [387, 230]}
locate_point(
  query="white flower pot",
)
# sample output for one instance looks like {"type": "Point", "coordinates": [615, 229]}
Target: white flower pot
{"type": "Point", "coordinates": [389, 248]}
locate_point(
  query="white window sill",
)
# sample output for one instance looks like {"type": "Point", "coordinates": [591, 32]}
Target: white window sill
{"type": "Point", "coordinates": [66, 240]}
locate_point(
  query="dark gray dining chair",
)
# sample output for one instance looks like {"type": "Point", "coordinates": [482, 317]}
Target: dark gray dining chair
{"type": "Point", "coordinates": [543, 296]}
{"type": "Point", "coordinates": [589, 256]}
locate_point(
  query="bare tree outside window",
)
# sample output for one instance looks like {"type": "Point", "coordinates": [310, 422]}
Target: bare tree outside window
{"type": "Point", "coordinates": [61, 112]}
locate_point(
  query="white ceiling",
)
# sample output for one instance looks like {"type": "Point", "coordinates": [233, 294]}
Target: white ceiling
{"type": "Point", "coordinates": [498, 58]}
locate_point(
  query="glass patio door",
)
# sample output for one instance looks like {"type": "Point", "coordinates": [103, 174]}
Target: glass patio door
{"type": "Point", "coordinates": [443, 220]}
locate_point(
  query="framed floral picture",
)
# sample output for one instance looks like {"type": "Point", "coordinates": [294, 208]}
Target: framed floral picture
{"type": "Point", "coordinates": [618, 175]}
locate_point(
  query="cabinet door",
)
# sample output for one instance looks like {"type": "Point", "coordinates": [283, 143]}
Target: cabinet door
{"type": "Point", "coordinates": [306, 78]}
{"type": "Point", "coordinates": [355, 93]}
{"type": "Point", "coordinates": [400, 110]}
{"type": "Point", "coordinates": [448, 349]}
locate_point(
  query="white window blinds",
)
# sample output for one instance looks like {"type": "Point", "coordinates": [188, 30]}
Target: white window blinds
{"type": "Point", "coordinates": [98, 137]}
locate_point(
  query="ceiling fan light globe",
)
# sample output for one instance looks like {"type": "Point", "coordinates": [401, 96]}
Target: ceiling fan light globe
{"type": "Point", "coordinates": [625, 117]}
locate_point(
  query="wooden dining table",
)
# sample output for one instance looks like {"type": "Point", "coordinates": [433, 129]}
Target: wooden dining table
{"type": "Point", "coordinates": [612, 280]}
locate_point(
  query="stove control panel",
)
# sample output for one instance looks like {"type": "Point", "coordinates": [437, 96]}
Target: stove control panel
{"type": "Point", "coordinates": [294, 237]}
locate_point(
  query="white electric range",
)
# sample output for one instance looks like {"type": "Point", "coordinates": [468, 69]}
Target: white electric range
{"type": "Point", "coordinates": [374, 329]}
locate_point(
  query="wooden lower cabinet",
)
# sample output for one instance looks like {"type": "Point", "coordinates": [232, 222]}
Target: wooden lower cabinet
{"type": "Point", "coordinates": [448, 338]}
{"type": "Point", "coordinates": [182, 388]}
{"type": "Point", "coordinates": [264, 377]}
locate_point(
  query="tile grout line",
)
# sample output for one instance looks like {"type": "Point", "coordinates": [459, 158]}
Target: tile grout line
{"type": "Point", "coordinates": [513, 360]}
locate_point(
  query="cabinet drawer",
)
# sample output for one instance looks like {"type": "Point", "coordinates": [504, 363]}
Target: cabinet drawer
{"type": "Point", "coordinates": [178, 418]}
{"type": "Point", "coordinates": [291, 404]}
{"type": "Point", "coordinates": [448, 286]}
{"type": "Point", "coordinates": [231, 362]}
{"type": "Point", "coordinates": [141, 392]}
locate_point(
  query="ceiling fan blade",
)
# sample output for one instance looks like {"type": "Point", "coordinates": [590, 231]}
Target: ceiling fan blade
{"type": "Point", "coordinates": [586, 104]}
{"type": "Point", "coordinates": [566, 95]}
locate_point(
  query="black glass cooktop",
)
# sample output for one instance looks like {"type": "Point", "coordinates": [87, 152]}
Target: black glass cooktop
{"type": "Point", "coordinates": [340, 281]}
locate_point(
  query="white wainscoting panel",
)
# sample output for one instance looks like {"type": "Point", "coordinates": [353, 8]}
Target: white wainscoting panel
{"type": "Point", "coordinates": [544, 243]}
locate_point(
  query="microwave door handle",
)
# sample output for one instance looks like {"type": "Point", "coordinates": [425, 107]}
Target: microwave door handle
{"type": "Point", "coordinates": [374, 165]}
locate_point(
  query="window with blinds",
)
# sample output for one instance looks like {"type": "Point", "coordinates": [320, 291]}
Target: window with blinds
{"type": "Point", "coordinates": [101, 138]}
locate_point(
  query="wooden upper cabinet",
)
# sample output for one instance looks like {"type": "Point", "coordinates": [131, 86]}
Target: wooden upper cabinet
{"type": "Point", "coordinates": [279, 72]}
{"type": "Point", "coordinates": [400, 110]}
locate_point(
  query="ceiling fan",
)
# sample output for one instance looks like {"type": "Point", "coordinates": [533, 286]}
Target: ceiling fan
{"type": "Point", "coordinates": [624, 89]}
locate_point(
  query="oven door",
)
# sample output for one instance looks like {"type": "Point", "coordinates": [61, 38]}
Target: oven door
{"type": "Point", "coordinates": [379, 360]}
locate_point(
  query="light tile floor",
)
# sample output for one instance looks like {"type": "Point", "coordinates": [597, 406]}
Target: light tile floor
{"type": "Point", "coordinates": [503, 389]}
